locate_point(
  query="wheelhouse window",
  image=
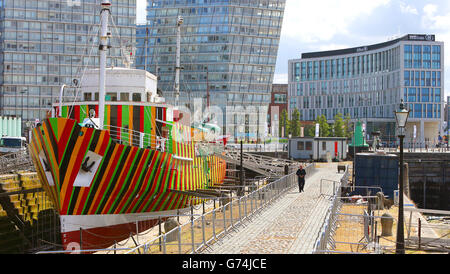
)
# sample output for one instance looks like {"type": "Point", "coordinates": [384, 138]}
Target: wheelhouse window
{"type": "Point", "coordinates": [88, 96]}
{"type": "Point", "coordinates": [124, 97]}
{"type": "Point", "coordinates": [136, 97]}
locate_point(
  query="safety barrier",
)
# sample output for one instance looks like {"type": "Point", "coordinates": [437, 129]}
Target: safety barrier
{"type": "Point", "coordinates": [353, 229]}
{"type": "Point", "coordinates": [200, 232]}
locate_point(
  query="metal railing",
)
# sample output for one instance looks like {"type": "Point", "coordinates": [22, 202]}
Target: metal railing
{"type": "Point", "coordinates": [199, 233]}
{"type": "Point", "coordinates": [144, 140]}
{"type": "Point", "coordinates": [357, 229]}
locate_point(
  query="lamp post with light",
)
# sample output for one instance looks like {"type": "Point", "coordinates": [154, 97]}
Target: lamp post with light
{"type": "Point", "coordinates": [401, 117]}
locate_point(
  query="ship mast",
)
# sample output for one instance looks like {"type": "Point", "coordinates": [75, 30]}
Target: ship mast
{"type": "Point", "coordinates": [104, 16]}
{"type": "Point", "coordinates": [178, 67]}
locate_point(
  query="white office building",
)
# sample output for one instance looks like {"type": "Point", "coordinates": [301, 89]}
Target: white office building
{"type": "Point", "coordinates": [369, 82]}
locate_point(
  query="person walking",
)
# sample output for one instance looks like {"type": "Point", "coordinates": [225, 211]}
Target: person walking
{"type": "Point", "coordinates": [301, 173]}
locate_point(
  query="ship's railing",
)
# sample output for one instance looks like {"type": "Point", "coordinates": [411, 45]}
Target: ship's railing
{"type": "Point", "coordinates": [131, 137]}
{"type": "Point", "coordinates": [199, 233]}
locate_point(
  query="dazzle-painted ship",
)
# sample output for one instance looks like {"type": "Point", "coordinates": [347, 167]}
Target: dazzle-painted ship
{"type": "Point", "coordinates": [115, 166]}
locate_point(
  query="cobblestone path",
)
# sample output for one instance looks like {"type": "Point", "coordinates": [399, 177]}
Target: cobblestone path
{"type": "Point", "coordinates": [288, 226]}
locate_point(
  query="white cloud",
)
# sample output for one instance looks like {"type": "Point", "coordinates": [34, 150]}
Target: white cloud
{"type": "Point", "coordinates": [405, 8]}
{"type": "Point", "coordinates": [313, 21]}
{"type": "Point", "coordinates": [433, 21]}
{"type": "Point", "coordinates": [437, 21]}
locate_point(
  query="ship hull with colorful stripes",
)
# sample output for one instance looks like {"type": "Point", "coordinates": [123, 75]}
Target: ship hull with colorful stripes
{"type": "Point", "coordinates": [109, 184]}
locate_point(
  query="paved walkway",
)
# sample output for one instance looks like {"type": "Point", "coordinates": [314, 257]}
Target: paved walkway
{"type": "Point", "coordinates": [288, 226]}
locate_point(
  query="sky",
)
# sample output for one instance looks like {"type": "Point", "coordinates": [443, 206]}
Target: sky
{"type": "Point", "coordinates": [336, 24]}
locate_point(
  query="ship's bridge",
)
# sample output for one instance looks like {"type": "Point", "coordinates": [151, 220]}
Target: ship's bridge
{"type": "Point", "coordinates": [122, 84]}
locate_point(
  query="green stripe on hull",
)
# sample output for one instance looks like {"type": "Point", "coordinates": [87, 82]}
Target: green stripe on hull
{"type": "Point", "coordinates": [124, 184]}
{"type": "Point", "coordinates": [109, 184]}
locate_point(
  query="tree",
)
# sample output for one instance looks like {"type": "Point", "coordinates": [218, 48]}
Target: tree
{"type": "Point", "coordinates": [295, 123]}
{"type": "Point", "coordinates": [324, 127]}
{"type": "Point", "coordinates": [311, 131]}
{"type": "Point", "coordinates": [338, 126]}
{"type": "Point", "coordinates": [284, 122]}
{"type": "Point", "coordinates": [347, 126]}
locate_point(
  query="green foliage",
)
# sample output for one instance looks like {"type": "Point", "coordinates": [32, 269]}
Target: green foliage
{"type": "Point", "coordinates": [347, 126]}
{"type": "Point", "coordinates": [324, 127]}
{"type": "Point", "coordinates": [284, 122]}
{"type": "Point", "coordinates": [310, 131]}
{"type": "Point", "coordinates": [338, 126]}
{"type": "Point", "coordinates": [295, 123]}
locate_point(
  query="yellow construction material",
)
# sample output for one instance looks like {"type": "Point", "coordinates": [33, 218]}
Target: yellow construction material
{"type": "Point", "coordinates": [30, 204]}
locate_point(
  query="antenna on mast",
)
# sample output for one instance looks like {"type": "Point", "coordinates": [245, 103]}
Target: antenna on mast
{"type": "Point", "coordinates": [103, 47]}
{"type": "Point", "coordinates": [178, 67]}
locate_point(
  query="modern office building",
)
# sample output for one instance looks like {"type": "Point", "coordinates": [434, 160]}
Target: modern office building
{"type": "Point", "coordinates": [47, 43]}
{"type": "Point", "coordinates": [369, 82]}
{"type": "Point", "coordinates": [228, 49]}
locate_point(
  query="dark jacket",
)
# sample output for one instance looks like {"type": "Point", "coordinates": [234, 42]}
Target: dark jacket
{"type": "Point", "coordinates": [301, 173]}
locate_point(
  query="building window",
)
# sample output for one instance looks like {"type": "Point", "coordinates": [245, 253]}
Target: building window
{"type": "Point", "coordinates": [408, 56]}
{"type": "Point", "coordinates": [308, 145]}
{"type": "Point", "coordinates": [300, 145]}
{"type": "Point", "coordinates": [406, 78]}
{"type": "Point", "coordinates": [437, 95]}
{"type": "Point", "coordinates": [425, 95]}
{"type": "Point", "coordinates": [279, 98]}
{"type": "Point", "coordinates": [430, 111]}
{"type": "Point", "coordinates": [411, 94]}
{"type": "Point", "coordinates": [111, 97]}
{"type": "Point", "coordinates": [417, 110]}
{"type": "Point", "coordinates": [87, 96]}
{"type": "Point", "coordinates": [136, 97]}
{"type": "Point", "coordinates": [417, 56]}
{"type": "Point", "coordinates": [324, 145]}
{"type": "Point", "coordinates": [124, 97]}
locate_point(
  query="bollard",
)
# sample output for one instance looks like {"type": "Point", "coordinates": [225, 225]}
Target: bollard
{"type": "Point", "coordinates": [386, 224]}
{"type": "Point", "coordinates": [169, 225]}
{"type": "Point", "coordinates": [179, 239]}
{"type": "Point", "coordinates": [419, 232]}
{"type": "Point", "coordinates": [160, 232]}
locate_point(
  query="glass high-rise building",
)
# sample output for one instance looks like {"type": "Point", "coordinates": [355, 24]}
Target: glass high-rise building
{"type": "Point", "coordinates": [369, 82]}
{"type": "Point", "coordinates": [47, 43]}
{"type": "Point", "coordinates": [228, 48]}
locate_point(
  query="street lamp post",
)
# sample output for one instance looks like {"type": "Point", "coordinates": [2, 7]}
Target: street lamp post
{"type": "Point", "coordinates": [402, 117]}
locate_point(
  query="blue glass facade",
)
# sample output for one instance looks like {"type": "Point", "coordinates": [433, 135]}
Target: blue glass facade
{"type": "Point", "coordinates": [423, 80]}
{"type": "Point", "coordinates": [228, 47]}
{"type": "Point", "coordinates": [48, 43]}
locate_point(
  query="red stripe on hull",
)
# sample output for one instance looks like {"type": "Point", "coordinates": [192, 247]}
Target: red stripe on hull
{"type": "Point", "coordinates": [104, 237]}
